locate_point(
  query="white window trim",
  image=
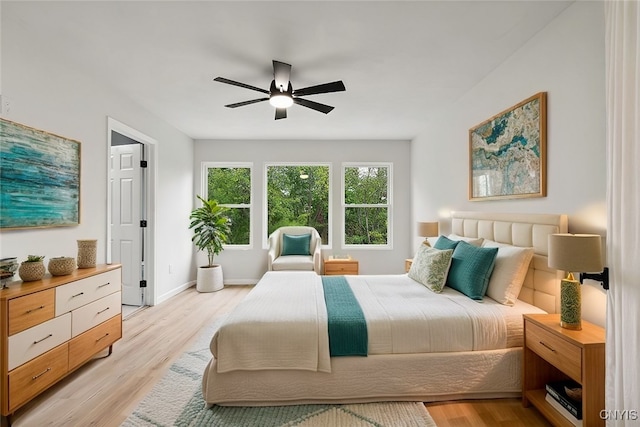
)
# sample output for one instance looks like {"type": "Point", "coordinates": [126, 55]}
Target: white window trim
{"type": "Point", "coordinates": [205, 190]}
{"type": "Point", "coordinates": [388, 205]}
{"type": "Point", "coordinates": [265, 214]}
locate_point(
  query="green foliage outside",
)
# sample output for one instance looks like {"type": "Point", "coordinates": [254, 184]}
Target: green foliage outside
{"type": "Point", "coordinates": [366, 212]}
{"type": "Point", "coordinates": [231, 187]}
{"type": "Point", "coordinates": [295, 200]}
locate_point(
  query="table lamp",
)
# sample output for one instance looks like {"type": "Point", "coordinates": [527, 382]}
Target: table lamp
{"type": "Point", "coordinates": [574, 253]}
{"type": "Point", "coordinates": [428, 229]}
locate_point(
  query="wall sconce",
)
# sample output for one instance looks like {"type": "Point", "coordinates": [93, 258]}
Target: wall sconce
{"type": "Point", "coordinates": [428, 229]}
{"type": "Point", "coordinates": [575, 253]}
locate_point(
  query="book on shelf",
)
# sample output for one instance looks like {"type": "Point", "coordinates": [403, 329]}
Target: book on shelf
{"type": "Point", "coordinates": [558, 390]}
{"type": "Point", "coordinates": [563, 411]}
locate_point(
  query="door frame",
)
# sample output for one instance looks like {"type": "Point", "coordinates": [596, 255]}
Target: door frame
{"type": "Point", "coordinates": [150, 146]}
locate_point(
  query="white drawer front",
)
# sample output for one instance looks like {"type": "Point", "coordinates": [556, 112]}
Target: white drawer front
{"type": "Point", "coordinates": [38, 339]}
{"type": "Point", "coordinates": [81, 292]}
{"type": "Point", "coordinates": [93, 314]}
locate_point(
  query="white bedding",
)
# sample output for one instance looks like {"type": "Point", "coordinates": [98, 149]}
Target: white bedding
{"type": "Point", "coordinates": [282, 324]}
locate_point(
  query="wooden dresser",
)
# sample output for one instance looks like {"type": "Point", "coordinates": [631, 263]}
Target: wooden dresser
{"type": "Point", "coordinates": [52, 326]}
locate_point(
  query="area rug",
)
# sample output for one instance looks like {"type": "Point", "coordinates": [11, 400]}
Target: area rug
{"type": "Point", "coordinates": [177, 401]}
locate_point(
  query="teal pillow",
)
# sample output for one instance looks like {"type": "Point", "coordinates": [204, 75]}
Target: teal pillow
{"type": "Point", "coordinates": [296, 244]}
{"type": "Point", "coordinates": [471, 268]}
{"type": "Point", "coordinates": [444, 243]}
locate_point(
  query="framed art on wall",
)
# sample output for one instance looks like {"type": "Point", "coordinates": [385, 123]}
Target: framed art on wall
{"type": "Point", "coordinates": [39, 178]}
{"type": "Point", "coordinates": [507, 153]}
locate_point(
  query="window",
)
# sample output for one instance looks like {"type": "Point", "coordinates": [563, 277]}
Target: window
{"type": "Point", "coordinates": [298, 195]}
{"type": "Point", "coordinates": [367, 204]}
{"type": "Point", "coordinates": [230, 185]}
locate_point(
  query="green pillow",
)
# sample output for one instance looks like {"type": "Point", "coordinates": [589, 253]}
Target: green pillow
{"type": "Point", "coordinates": [444, 243]}
{"type": "Point", "coordinates": [471, 268]}
{"type": "Point", "coordinates": [296, 244]}
{"type": "Point", "coordinates": [430, 267]}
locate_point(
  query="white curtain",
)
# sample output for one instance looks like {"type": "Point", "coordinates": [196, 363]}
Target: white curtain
{"type": "Point", "coordinates": [623, 205]}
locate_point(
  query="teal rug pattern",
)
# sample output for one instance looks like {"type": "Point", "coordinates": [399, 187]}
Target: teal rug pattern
{"type": "Point", "coordinates": [176, 400]}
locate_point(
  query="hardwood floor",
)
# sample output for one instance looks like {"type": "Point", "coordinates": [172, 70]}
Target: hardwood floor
{"type": "Point", "coordinates": [105, 391]}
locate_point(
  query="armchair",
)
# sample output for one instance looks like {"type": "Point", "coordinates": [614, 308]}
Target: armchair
{"type": "Point", "coordinates": [296, 255]}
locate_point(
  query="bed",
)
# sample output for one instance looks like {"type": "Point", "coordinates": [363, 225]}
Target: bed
{"type": "Point", "coordinates": [412, 353]}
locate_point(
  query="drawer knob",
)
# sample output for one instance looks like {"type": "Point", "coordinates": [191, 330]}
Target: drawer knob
{"type": "Point", "coordinates": [41, 374]}
{"type": "Point", "coordinates": [34, 309]}
{"type": "Point", "coordinates": [77, 295]}
{"type": "Point", "coordinates": [103, 285]}
{"type": "Point", "coordinates": [102, 311]}
{"type": "Point", "coordinates": [42, 339]}
{"type": "Point", "coordinates": [548, 346]}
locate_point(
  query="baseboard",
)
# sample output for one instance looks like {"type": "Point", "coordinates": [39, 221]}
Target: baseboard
{"type": "Point", "coordinates": [173, 292]}
{"type": "Point", "coordinates": [233, 282]}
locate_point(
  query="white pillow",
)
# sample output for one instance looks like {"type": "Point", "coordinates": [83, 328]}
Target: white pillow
{"type": "Point", "coordinates": [430, 267]}
{"type": "Point", "coordinates": [512, 264]}
{"type": "Point", "coordinates": [475, 241]}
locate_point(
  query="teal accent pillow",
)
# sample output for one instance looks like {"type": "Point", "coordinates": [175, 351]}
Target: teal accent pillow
{"type": "Point", "coordinates": [444, 243]}
{"type": "Point", "coordinates": [296, 244]}
{"type": "Point", "coordinates": [471, 269]}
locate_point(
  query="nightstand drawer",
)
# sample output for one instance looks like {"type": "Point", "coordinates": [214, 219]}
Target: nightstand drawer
{"type": "Point", "coordinates": [337, 268]}
{"type": "Point", "coordinates": [560, 353]}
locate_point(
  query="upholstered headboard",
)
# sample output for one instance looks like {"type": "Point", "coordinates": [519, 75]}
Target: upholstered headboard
{"type": "Point", "coordinates": [542, 284]}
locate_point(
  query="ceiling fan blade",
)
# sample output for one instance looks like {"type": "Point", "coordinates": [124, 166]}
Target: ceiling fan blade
{"type": "Point", "coordinates": [313, 105]}
{"type": "Point", "coordinates": [281, 74]}
{"type": "Point", "coordinates": [243, 103]}
{"type": "Point", "coordinates": [234, 83]}
{"type": "Point", "coordinates": [336, 86]}
{"type": "Point", "coordinates": [281, 113]}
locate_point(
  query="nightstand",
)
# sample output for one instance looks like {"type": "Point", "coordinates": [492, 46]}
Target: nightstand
{"type": "Point", "coordinates": [407, 264]}
{"type": "Point", "coordinates": [552, 353]}
{"type": "Point", "coordinates": [337, 267]}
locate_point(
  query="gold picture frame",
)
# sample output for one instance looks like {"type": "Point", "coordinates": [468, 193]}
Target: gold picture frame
{"type": "Point", "coordinates": [508, 153]}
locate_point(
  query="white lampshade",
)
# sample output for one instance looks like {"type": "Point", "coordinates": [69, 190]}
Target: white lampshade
{"type": "Point", "coordinates": [428, 229]}
{"type": "Point", "coordinates": [576, 252]}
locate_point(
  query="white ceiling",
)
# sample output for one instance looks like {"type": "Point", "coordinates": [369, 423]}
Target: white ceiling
{"type": "Point", "coordinates": [401, 61]}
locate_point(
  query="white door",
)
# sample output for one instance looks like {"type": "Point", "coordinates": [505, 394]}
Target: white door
{"type": "Point", "coordinates": [126, 213]}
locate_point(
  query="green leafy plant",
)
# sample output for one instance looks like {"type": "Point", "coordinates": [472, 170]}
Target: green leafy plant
{"type": "Point", "coordinates": [34, 258]}
{"type": "Point", "coordinates": [211, 227]}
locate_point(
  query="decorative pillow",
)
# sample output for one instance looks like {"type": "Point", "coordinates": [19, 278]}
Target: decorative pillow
{"type": "Point", "coordinates": [475, 241]}
{"type": "Point", "coordinates": [430, 267]}
{"type": "Point", "coordinates": [471, 269]}
{"type": "Point", "coordinates": [296, 244]}
{"type": "Point", "coordinates": [512, 264]}
{"type": "Point", "coordinates": [445, 243]}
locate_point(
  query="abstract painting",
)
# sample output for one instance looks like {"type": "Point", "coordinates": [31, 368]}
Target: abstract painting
{"type": "Point", "coordinates": [39, 178]}
{"type": "Point", "coordinates": [507, 153]}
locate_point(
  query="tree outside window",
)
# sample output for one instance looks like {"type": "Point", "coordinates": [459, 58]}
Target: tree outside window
{"type": "Point", "coordinates": [231, 188]}
{"type": "Point", "coordinates": [298, 195]}
{"type": "Point", "coordinates": [366, 204]}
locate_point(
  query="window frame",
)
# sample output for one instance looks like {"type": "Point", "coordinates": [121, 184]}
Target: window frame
{"type": "Point", "coordinates": [265, 195]}
{"type": "Point", "coordinates": [388, 205]}
{"type": "Point", "coordinates": [205, 194]}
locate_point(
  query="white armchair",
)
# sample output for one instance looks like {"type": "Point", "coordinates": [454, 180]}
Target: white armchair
{"type": "Point", "coordinates": [300, 259]}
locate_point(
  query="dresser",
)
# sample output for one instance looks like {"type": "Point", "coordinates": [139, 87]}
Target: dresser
{"type": "Point", "coordinates": [52, 326]}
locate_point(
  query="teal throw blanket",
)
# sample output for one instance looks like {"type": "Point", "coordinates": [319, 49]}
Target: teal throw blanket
{"type": "Point", "coordinates": [347, 325]}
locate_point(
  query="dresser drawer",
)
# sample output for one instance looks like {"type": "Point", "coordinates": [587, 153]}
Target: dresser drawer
{"type": "Point", "coordinates": [337, 268]}
{"type": "Point", "coordinates": [37, 340]}
{"type": "Point", "coordinates": [560, 353]}
{"type": "Point", "coordinates": [30, 310]}
{"type": "Point", "coordinates": [90, 315]}
{"type": "Point", "coordinates": [86, 345]}
{"type": "Point", "coordinates": [81, 292]}
{"type": "Point", "coordinates": [31, 378]}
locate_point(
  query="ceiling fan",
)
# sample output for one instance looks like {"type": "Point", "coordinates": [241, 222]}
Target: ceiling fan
{"type": "Point", "coordinates": [281, 93]}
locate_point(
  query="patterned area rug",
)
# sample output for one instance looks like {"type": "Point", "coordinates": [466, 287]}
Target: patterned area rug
{"type": "Point", "coordinates": [177, 401]}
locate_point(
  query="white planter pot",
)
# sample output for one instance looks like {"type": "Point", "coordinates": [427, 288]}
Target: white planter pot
{"type": "Point", "coordinates": [209, 279]}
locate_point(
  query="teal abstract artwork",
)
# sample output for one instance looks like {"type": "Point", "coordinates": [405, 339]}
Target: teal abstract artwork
{"type": "Point", "coordinates": [39, 178]}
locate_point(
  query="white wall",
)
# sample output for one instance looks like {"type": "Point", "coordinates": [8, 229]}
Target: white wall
{"type": "Point", "coordinates": [566, 60]}
{"type": "Point", "coordinates": [247, 266]}
{"type": "Point", "coordinates": [49, 93]}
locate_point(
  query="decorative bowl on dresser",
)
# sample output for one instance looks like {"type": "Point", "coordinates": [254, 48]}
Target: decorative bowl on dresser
{"type": "Point", "coordinates": [51, 327]}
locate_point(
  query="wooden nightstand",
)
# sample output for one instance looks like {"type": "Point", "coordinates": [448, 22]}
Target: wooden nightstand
{"type": "Point", "coordinates": [407, 264]}
{"type": "Point", "coordinates": [337, 267]}
{"type": "Point", "coordinates": [552, 353]}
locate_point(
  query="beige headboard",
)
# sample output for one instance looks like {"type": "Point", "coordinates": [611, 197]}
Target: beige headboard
{"type": "Point", "coordinates": [542, 284]}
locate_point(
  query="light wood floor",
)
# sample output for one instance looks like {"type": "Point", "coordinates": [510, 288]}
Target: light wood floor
{"type": "Point", "coordinates": [105, 391]}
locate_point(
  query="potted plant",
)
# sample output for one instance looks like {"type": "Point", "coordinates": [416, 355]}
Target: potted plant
{"type": "Point", "coordinates": [211, 227]}
{"type": "Point", "coordinates": [32, 269]}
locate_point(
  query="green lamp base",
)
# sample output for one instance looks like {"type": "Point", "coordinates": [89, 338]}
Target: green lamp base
{"type": "Point", "coordinates": [570, 304]}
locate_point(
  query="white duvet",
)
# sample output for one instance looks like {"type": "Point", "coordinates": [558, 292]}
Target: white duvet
{"type": "Point", "coordinates": [282, 323]}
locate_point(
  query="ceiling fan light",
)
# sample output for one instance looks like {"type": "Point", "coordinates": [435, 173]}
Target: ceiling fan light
{"type": "Point", "coordinates": [281, 101]}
